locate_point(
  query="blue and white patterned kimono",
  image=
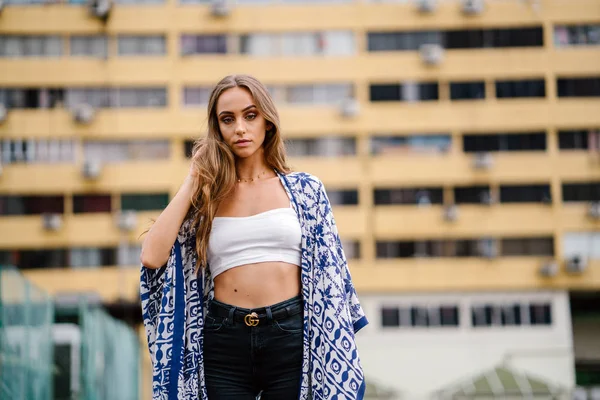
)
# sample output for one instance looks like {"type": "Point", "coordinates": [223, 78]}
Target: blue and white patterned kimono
{"type": "Point", "coordinates": [174, 303]}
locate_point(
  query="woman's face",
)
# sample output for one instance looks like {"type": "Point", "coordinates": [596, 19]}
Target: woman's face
{"type": "Point", "coordinates": [242, 126]}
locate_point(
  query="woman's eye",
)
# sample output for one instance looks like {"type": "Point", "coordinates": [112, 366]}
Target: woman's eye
{"type": "Point", "coordinates": [227, 120]}
{"type": "Point", "coordinates": [251, 116]}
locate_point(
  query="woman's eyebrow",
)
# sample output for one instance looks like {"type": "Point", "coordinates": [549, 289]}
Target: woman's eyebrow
{"type": "Point", "coordinates": [245, 109]}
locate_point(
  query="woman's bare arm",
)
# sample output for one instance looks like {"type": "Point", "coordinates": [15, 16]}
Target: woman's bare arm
{"type": "Point", "coordinates": [160, 238]}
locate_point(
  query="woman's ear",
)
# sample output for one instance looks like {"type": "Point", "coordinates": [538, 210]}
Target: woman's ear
{"type": "Point", "coordinates": [269, 127]}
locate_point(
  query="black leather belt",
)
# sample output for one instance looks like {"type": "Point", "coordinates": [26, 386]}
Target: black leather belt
{"type": "Point", "coordinates": [256, 316]}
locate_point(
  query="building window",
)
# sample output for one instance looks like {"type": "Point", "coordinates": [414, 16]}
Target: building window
{"type": "Point", "coordinates": [472, 195]}
{"type": "Point", "coordinates": [40, 258]}
{"type": "Point", "coordinates": [508, 314]}
{"type": "Point", "coordinates": [398, 41]}
{"type": "Point", "coordinates": [129, 254]}
{"type": "Point", "coordinates": [91, 257]}
{"type": "Point", "coordinates": [584, 191]}
{"type": "Point", "coordinates": [117, 97]}
{"type": "Point", "coordinates": [528, 247]}
{"type": "Point", "coordinates": [326, 146]}
{"type": "Point", "coordinates": [467, 90]}
{"type": "Point", "coordinates": [481, 315]}
{"type": "Point", "coordinates": [36, 151]}
{"type": "Point", "coordinates": [418, 196]}
{"type": "Point", "coordinates": [91, 203]}
{"type": "Point", "coordinates": [139, 97]}
{"type": "Point", "coordinates": [579, 139]}
{"type": "Point", "coordinates": [298, 44]}
{"type": "Point", "coordinates": [504, 142]}
{"type": "Point", "coordinates": [414, 144]}
{"type": "Point", "coordinates": [496, 315]}
{"type": "Point", "coordinates": [525, 194]}
{"type": "Point", "coordinates": [144, 202]}
{"type": "Point", "coordinates": [407, 91]}
{"type": "Point", "coordinates": [494, 38]}
{"type": "Point", "coordinates": [449, 316]}
{"type": "Point", "coordinates": [343, 197]}
{"type": "Point", "coordinates": [196, 96]}
{"type": "Point", "coordinates": [95, 97]}
{"type": "Point", "coordinates": [585, 245]}
{"type": "Point", "coordinates": [409, 249]}
{"type": "Point", "coordinates": [420, 316]}
{"type": "Point", "coordinates": [390, 316]}
{"type": "Point", "coordinates": [540, 314]}
{"type": "Point", "coordinates": [203, 44]}
{"type": "Point", "coordinates": [520, 88]}
{"type": "Point", "coordinates": [115, 151]}
{"type": "Point", "coordinates": [351, 249]}
{"type": "Point", "coordinates": [456, 39]}
{"type": "Point", "coordinates": [319, 94]}
{"type": "Point", "coordinates": [130, 45]}
{"type": "Point", "coordinates": [437, 248]}
{"type": "Point", "coordinates": [578, 87]}
{"type": "Point", "coordinates": [32, 98]}
{"type": "Point", "coordinates": [31, 46]}
{"type": "Point", "coordinates": [576, 35]}
{"type": "Point", "coordinates": [29, 205]}
{"type": "Point", "coordinates": [89, 46]}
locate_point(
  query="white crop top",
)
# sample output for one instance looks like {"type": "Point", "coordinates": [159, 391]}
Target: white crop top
{"type": "Point", "coordinates": [273, 235]}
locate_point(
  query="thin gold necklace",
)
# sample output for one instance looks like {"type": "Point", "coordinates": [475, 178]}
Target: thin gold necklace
{"type": "Point", "coordinates": [252, 179]}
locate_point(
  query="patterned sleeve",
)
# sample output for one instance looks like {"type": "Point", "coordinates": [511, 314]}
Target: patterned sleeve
{"type": "Point", "coordinates": [332, 237]}
{"type": "Point", "coordinates": [155, 288]}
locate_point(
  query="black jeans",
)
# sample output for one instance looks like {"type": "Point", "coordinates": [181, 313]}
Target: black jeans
{"type": "Point", "coordinates": [246, 355]}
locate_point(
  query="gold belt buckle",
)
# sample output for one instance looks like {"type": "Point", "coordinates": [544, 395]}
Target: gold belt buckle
{"type": "Point", "coordinates": [251, 319]}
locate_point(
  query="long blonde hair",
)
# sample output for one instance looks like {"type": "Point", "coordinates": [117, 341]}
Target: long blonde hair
{"type": "Point", "coordinates": [215, 162]}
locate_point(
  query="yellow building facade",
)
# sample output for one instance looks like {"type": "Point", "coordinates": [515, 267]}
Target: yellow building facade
{"type": "Point", "coordinates": [462, 145]}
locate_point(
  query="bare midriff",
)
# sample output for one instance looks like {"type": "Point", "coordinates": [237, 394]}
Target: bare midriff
{"type": "Point", "coordinates": [258, 285]}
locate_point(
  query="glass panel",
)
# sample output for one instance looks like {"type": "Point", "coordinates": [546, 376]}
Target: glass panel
{"type": "Point", "coordinates": [144, 202]}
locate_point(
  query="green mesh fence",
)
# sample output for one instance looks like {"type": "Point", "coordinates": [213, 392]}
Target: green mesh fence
{"type": "Point", "coordinates": [26, 347]}
{"type": "Point", "coordinates": [110, 357]}
{"type": "Point", "coordinates": [52, 352]}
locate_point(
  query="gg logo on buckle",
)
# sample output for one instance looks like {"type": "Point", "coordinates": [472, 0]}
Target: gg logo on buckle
{"type": "Point", "coordinates": [251, 319]}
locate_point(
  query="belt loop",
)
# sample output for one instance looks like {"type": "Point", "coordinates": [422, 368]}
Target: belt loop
{"type": "Point", "coordinates": [229, 320]}
{"type": "Point", "coordinates": [269, 314]}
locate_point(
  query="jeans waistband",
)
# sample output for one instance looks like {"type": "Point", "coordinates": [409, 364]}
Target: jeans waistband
{"type": "Point", "coordinates": [260, 315]}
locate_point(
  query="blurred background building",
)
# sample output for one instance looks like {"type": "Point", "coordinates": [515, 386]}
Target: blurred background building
{"type": "Point", "coordinates": [459, 141]}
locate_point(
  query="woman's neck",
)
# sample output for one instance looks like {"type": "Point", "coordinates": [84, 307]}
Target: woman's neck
{"type": "Point", "coordinates": [251, 167]}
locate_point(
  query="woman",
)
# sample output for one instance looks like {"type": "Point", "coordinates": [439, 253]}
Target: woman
{"type": "Point", "coordinates": [245, 288]}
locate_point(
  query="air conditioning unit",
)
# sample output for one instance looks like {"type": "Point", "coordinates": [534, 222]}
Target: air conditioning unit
{"type": "Point", "coordinates": [594, 210]}
{"type": "Point", "coordinates": [127, 220]}
{"type": "Point", "coordinates": [100, 8]}
{"type": "Point", "coordinates": [83, 113]}
{"type": "Point", "coordinates": [575, 264]}
{"type": "Point", "coordinates": [549, 269]}
{"type": "Point", "coordinates": [472, 7]}
{"type": "Point", "coordinates": [220, 8]}
{"type": "Point", "coordinates": [426, 6]}
{"type": "Point", "coordinates": [482, 161]}
{"type": "Point", "coordinates": [51, 221]}
{"type": "Point", "coordinates": [3, 111]}
{"type": "Point", "coordinates": [431, 54]}
{"type": "Point", "coordinates": [451, 213]}
{"type": "Point", "coordinates": [349, 108]}
{"type": "Point", "coordinates": [91, 169]}
{"type": "Point", "coordinates": [488, 248]}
